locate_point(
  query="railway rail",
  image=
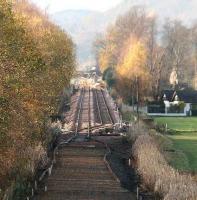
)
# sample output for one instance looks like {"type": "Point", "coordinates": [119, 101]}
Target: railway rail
{"type": "Point", "coordinates": [92, 102]}
{"type": "Point", "coordinates": [103, 110]}
{"type": "Point", "coordinates": [80, 169]}
{"type": "Point", "coordinates": [79, 113]}
{"type": "Point", "coordinates": [81, 172]}
{"type": "Point", "coordinates": [83, 112]}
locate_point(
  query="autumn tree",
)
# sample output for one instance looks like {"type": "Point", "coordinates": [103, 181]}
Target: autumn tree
{"type": "Point", "coordinates": [115, 46]}
{"type": "Point", "coordinates": [132, 67]}
{"type": "Point", "coordinates": [169, 47]}
{"type": "Point", "coordinates": [37, 61]}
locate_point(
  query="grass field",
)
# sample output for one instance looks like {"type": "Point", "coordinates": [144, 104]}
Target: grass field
{"type": "Point", "coordinates": [179, 123]}
{"type": "Point", "coordinates": [183, 149]}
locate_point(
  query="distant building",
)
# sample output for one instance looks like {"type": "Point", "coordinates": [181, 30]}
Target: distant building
{"type": "Point", "coordinates": [175, 103]}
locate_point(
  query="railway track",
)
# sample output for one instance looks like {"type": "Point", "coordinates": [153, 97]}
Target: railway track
{"type": "Point", "coordinates": [92, 112]}
{"type": "Point", "coordinates": [79, 113]}
{"type": "Point", "coordinates": [83, 113]}
{"type": "Point", "coordinates": [81, 171]}
{"type": "Point", "coordinates": [102, 108]}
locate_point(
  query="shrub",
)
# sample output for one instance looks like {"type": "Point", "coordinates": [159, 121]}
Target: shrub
{"type": "Point", "coordinates": [37, 60]}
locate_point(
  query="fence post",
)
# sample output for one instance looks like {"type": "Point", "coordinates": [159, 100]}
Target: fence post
{"type": "Point", "coordinates": [32, 192]}
{"type": "Point", "coordinates": [36, 185]}
{"type": "Point", "coordinates": [137, 193]}
{"type": "Point", "coordinates": [166, 127]}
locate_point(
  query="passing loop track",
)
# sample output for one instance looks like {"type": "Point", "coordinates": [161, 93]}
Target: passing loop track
{"type": "Point", "coordinates": [107, 107]}
{"type": "Point", "coordinates": [80, 105]}
{"type": "Point", "coordinates": [103, 110]}
{"type": "Point", "coordinates": [83, 112]}
{"type": "Point", "coordinates": [80, 170]}
{"type": "Point", "coordinates": [92, 113]}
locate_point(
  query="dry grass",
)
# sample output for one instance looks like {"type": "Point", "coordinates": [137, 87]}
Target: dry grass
{"type": "Point", "coordinates": [158, 175]}
{"type": "Point", "coordinates": [36, 155]}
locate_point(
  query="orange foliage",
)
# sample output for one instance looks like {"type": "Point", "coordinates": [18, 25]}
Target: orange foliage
{"type": "Point", "coordinates": [37, 60]}
{"type": "Point", "coordinates": [134, 61]}
{"type": "Point", "coordinates": [108, 55]}
{"type": "Point", "coordinates": [132, 66]}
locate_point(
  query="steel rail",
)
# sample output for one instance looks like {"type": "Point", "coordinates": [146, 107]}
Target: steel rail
{"type": "Point", "coordinates": [106, 105]}
{"type": "Point", "coordinates": [98, 107]}
{"type": "Point", "coordinates": [80, 111]}
{"type": "Point", "coordinates": [89, 112]}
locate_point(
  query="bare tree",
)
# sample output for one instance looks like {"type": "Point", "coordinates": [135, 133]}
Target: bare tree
{"type": "Point", "coordinates": [176, 40]}
{"type": "Point", "coordinates": [155, 57]}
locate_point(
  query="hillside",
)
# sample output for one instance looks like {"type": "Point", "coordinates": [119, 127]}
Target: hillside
{"type": "Point", "coordinates": [84, 25]}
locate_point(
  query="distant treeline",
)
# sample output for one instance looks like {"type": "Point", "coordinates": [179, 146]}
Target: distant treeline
{"type": "Point", "coordinates": [139, 48]}
{"type": "Point", "coordinates": [37, 60]}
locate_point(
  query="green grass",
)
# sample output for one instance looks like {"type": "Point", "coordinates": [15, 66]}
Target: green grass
{"type": "Point", "coordinates": [182, 151]}
{"type": "Point", "coordinates": [179, 123]}
{"type": "Point", "coordinates": [185, 144]}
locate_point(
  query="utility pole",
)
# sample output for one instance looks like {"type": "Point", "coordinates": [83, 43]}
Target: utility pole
{"type": "Point", "coordinates": [133, 88]}
{"type": "Point", "coordinates": [137, 96]}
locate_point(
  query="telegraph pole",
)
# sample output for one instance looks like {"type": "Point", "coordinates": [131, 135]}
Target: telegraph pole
{"type": "Point", "coordinates": [137, 96]}
{"type": "Point", "coordinates": [133, 90]}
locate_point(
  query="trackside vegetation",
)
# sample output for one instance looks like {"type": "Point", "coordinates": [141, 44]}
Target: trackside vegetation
{"type": "Point", "coordinates": [37, 60]}
{"type": "Point", "coordinates": [158, 175]}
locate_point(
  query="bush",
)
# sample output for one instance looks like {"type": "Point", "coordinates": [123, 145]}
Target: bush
{"type": "Point", "coordinates": [109, 77]}
{"type": "Point", "coordinates": [37, 60]}
{"type": "Point", "coordinates": [177, 108]}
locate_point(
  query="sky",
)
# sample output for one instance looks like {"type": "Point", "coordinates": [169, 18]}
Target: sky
{"type": "Point", "coordinates": [53, 6]}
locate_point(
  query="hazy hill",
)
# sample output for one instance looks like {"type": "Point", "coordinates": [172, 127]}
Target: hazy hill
{"type": "Point", "coordinates": [84, 25]}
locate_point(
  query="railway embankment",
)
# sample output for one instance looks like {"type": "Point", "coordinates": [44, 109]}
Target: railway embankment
{"type": "Point", "coordinates": [155, 172]}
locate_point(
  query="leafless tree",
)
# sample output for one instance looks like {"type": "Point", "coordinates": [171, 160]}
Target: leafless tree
{"type": "Point", "coordinates": [176, 39]}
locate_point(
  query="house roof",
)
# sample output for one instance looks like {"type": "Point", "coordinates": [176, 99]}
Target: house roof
{"type": "Point", "coordinates": [186, 95]}
{"type": "Point", "coordinates": [168, 94]}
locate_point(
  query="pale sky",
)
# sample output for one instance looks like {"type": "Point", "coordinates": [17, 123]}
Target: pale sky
{"type": "Point", "coordinates": [59, 5]}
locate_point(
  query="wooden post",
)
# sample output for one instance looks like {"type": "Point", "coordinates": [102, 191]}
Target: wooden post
{"type": "Point", "coordinates": [137, 193]}
{"type": "Point", "coordinates": [137, 96]}
{"type": "Point", "coordinates": [32, 192]}
{"type": "Point", "coordinates": [36, 185]}
{"type": "Point", "coordinates": [129, 161]}
{"type": "Point", "coordinates": [166, 127]}
{"type": "Point", "coordinates": [133, 97]}
{"type": "Point", "coordinates": [50, 170]}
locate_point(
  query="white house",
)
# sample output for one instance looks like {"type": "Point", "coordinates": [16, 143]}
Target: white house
{"type": "Point", "coordinates": [177, 103]}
